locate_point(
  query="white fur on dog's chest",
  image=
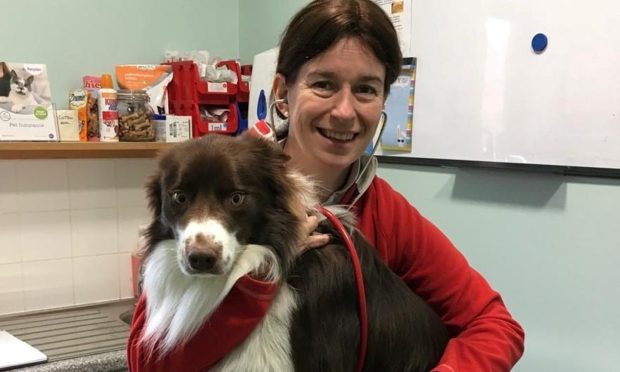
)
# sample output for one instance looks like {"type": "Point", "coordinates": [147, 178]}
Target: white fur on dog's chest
{"type": "Point", "coordinates": [268, 348]}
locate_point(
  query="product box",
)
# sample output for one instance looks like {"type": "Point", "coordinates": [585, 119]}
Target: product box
{"type": "Point", "coordinates": [68, 125]}
{"type": "Point", "coordinates": [172, 128]}
{"type": "Point", "coordinates": [92, 85]}
{"type": "Point", "coordinates": [399, 107]}
{"type": "Point", "coordinates": [26, 110]}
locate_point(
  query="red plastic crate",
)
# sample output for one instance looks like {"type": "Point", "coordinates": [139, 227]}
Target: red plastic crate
{"type": "Point", "coordinates": [243, 93]}
{"type": "Point", "coordinates": [187, 85]}
{"type": "Point", "coordinates": [200, 127]}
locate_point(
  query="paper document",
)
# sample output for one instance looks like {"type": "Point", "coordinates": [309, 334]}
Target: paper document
{"type": "Point", "coordinates": [15, 352]}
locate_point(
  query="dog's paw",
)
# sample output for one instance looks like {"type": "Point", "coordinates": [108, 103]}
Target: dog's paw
{"type": "Point", "coordinates": [4, 99]}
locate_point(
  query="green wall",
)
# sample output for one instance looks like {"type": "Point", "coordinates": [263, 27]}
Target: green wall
{"type": "Point", "coordinates": [261, 24]}
{"type": "Point", "coordinates": [89, 37]}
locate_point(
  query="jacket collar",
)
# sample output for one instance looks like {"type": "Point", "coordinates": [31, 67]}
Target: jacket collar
{"type": "Point", "coordinates": [357, 182]}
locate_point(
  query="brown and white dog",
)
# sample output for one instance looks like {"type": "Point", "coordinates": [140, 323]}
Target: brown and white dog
{"type": "Point", "coordinates": [225, 207]}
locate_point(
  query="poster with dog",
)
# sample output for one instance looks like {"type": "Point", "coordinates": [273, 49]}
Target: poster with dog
{"type": "Point", "coordinates": [26, 109]}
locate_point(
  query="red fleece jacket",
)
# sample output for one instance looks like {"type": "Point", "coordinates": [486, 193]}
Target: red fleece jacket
{"type": "Point", "coordinates": [484, 335]}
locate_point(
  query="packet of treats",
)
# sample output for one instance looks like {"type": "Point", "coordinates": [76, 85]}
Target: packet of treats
{"type": "Point", "coordinates": [92, 84]}
{"type": "Point", "coordinates": [78, 100]}
{"type": "Point", "coordinates": [150, 78]}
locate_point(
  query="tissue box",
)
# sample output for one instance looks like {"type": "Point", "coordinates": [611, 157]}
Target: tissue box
{"type": "Point", "coordinates": [172, 128]}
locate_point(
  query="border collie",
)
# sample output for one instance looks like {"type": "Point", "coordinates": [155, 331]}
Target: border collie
{"type": "Point", "coordinates": [225, 207]}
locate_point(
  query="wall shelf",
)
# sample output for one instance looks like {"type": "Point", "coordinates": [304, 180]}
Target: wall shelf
{"type": "Point", "coordinates": [79, 150]}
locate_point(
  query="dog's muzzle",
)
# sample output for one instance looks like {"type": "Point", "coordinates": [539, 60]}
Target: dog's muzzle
{"type": "Point", "coordinates": [202, 255]}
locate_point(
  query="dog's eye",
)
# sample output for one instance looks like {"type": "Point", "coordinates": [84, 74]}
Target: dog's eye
{"type": "Point", "coordinates": [237, 198]}
{"type": "Point", "coordinates": [179, 197]}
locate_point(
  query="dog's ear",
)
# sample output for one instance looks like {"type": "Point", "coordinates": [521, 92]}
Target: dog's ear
{"type": "Point", "coordinates": [153, 194]}
{"type": "Point", "coordinates": [271, 148]}
{"type": "Point", "coordinates": [156, 231]}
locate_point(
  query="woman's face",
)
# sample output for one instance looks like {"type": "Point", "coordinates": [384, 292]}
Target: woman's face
{"type": "Point", "coordinates": [334, 106]}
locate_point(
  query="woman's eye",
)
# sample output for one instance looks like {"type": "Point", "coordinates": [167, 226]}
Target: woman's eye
{"type": "Point", "coordinates": [367, 89]}
{"type": "Point", "coordinates": [179, 197]}
{"type": "Point", "coordinates": [237, 198]}
{"type": "Point", "coordinates": [322, 85]}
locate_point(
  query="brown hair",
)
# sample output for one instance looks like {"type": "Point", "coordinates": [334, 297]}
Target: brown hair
{"type": "Point", "coordinates": [321, 23]}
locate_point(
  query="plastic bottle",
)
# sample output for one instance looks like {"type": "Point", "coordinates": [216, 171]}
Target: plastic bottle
{"type": "Point", "coordinates": [108, 112]}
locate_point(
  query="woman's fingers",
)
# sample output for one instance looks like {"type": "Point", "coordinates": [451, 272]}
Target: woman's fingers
{"type": "Point", "coordinates": [314, 239]}
{"type": "Point", "coordinates": [317, 240]}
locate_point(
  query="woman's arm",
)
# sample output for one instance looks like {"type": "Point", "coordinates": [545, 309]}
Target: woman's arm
{"type": "Point", "coordinates": [485, 336]}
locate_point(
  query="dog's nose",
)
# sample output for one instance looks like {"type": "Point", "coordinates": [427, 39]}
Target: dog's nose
{"type": "Point", "coordinates": [203, 253]}
{"type": "Point", "coordinates": [202, 261]}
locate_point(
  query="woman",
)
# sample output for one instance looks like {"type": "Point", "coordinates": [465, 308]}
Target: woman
{"type": "Point", "coordinates": [337, 61]}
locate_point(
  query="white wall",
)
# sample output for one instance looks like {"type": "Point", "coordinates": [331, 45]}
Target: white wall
{"type": "Point", "coordinates": [67, 228]}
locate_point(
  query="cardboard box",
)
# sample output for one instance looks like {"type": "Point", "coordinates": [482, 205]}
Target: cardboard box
{"type": "Point", "coordinates": [26, 111]}
{"type": "Point", "coordinates": [68, 125]}
{"type": "Point", "coordinates": [172, 128]}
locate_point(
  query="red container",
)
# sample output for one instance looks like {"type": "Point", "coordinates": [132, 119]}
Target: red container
{"type": "Point", "coordinates": [187, 85]}
{"type": "Point", "coordinates": [243, 92]}
{"type": "Point", "coordinates": [136, 264]}
{"type": "Point", "coordinates": [201, 126]}
{"type": "Point", "coordinates": [187, 93]}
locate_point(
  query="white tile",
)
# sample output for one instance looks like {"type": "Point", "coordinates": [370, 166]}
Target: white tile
{"type": "Point", "coordinates": [45, 235]}
{"type": "Point", "coordinates": [91, 183]}
{"type": "Point", "coordinates": [11, 292]}
{"type": "Point", "coordinates": [8, 186]}
{"type": "Point", "coordinates": [10, 249]}
{"type": "Point", "coordinates": [96, 279]}
{"type": "Point", "coordinates": [124, 275]}
{"type": "Point", "coordinates": [131, 176]}
{"type": "Point", "coordinates": [42, 185]}
{"type": "Point", "coordinates": [94, 232]}
{"type": "Point", "coordinates": [129, 220]}
{"type": "Point", "coordinates": [47, 284]}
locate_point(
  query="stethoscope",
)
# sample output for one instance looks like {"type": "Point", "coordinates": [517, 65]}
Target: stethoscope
{"type": "Point", "coordinates": [346, 238]}
{"type": "Point", "coordinates": [342, 231]}
{"type": "Point", "coordinates": [382, 123]}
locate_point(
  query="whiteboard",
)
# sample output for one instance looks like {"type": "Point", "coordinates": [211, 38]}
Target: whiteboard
{"type": "Point", "coordinates": [483, 95]}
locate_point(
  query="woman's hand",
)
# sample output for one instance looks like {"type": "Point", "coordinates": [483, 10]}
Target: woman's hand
{"type": "Point", "coordinates": [314, 239]}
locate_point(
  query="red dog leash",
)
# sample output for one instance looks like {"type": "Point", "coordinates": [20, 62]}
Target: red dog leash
{"type": "Point", "coordinates": [359, 280]}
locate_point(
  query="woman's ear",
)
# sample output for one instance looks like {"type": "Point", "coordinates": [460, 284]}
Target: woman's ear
{"type": "Point", "coordinates": [280, 91]}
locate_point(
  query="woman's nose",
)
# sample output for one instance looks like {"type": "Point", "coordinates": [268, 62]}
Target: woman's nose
{"type": "Point", "coordinates": [344, 106]}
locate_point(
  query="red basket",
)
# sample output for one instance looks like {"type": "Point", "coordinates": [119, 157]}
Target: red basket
{"type": "Point", "coordinates": [243, 93]}
{"type": "Point", "coordinates": [187, 85]}
{"type": "Point", "coordinates": [188, 92]}
{"type": "Point", "coordinates": [200, 126]}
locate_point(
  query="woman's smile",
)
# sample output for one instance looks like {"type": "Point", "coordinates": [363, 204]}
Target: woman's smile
{"type": "Point", "coordinates": [338, 137]}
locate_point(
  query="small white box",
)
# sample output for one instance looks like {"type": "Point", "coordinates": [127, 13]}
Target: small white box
{"type": "Point", "coordinates": [172, 128]}
{"type": "Point", "coordinates": [68, 125]}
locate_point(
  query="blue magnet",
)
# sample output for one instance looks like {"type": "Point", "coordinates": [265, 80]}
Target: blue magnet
{"type": "Point", "coordinates": [539, 43]}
